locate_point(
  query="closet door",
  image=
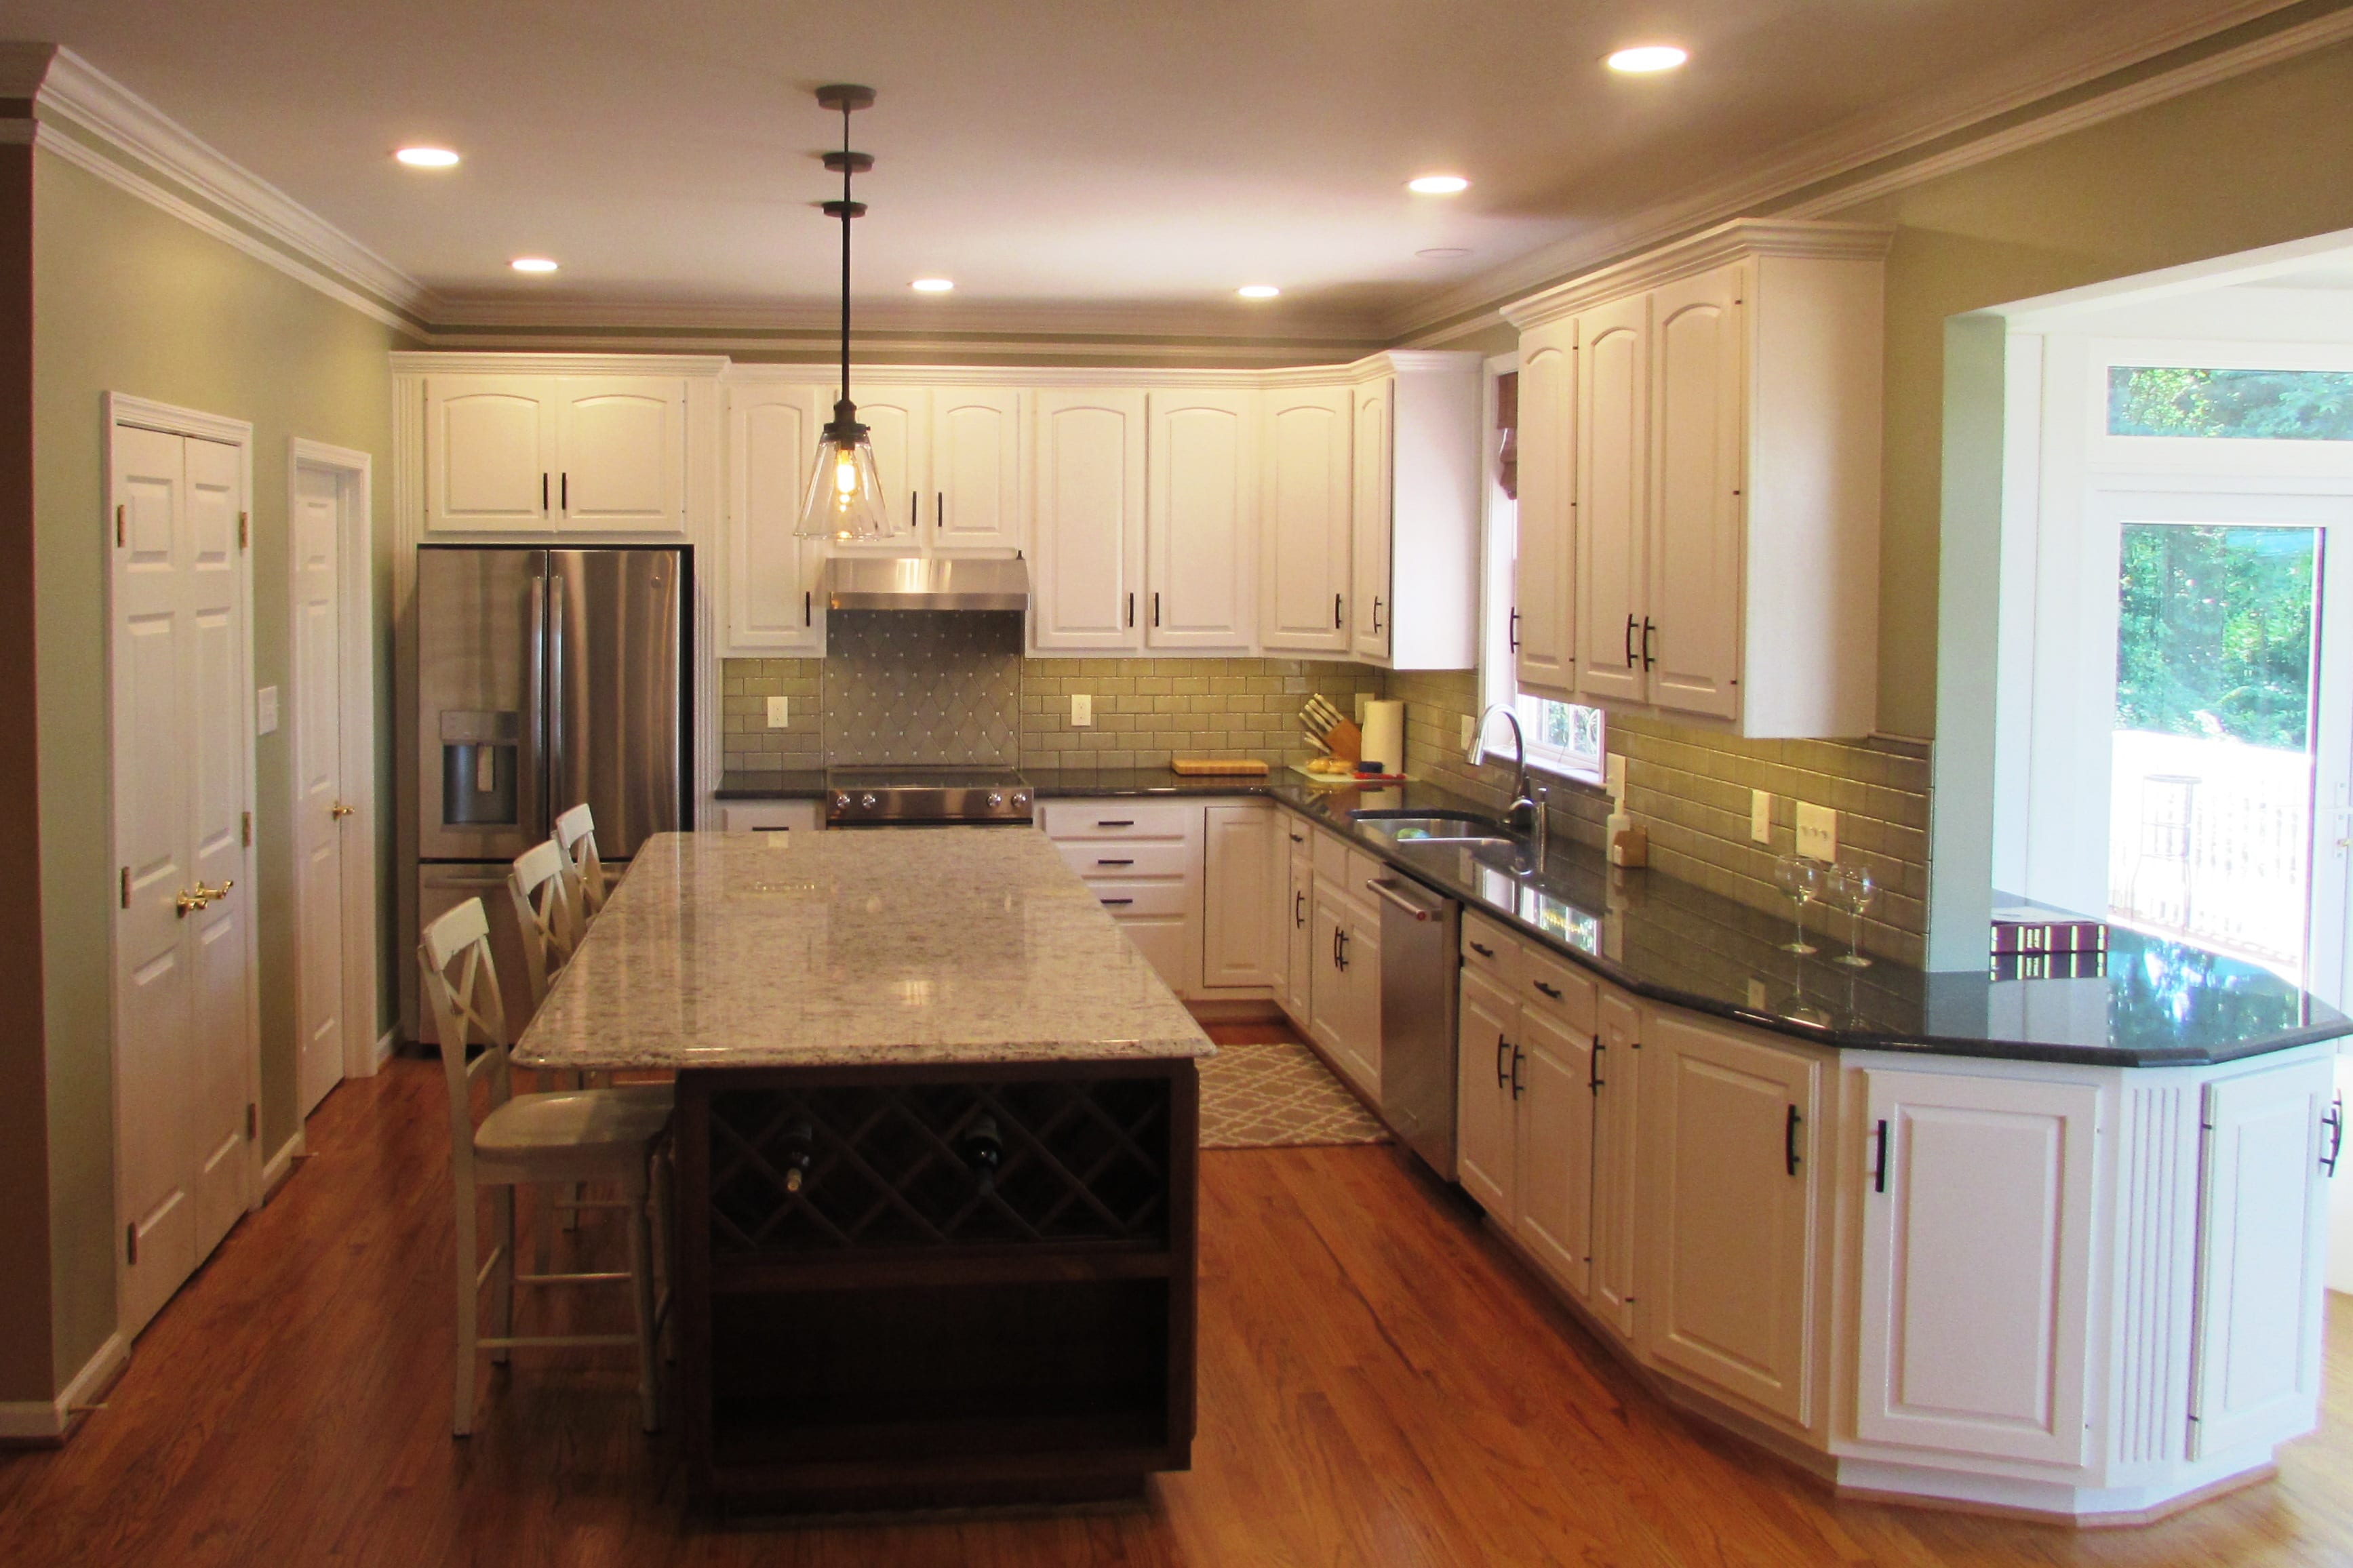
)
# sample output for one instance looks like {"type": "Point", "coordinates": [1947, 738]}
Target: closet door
{"type": "Point", "coordinates": [1544, 576]}
{"type": "Point", "coordinates": [1694, 595]}
{"type": "Point", "coordinates": [1087, 532]}
{"type": "Point", "coordinates": [1305, 542]}
{"type": "Point", "coordinates": [1612, 471]}
{"type": "Point", "coordinates": [1202, 519]}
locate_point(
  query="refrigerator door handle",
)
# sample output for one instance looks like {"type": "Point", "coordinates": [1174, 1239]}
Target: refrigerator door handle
{"type": "Point", "coordinates": [554, 767]}
{"type": "Point", "coordinates": [536, 659]}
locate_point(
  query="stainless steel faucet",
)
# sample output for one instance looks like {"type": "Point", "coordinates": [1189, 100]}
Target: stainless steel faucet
{"type": "Point", "coordinates": [1527, 814]}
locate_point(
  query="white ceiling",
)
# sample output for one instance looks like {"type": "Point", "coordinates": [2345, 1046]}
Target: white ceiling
{"type": "Point", "coordinates": [1147, 154]}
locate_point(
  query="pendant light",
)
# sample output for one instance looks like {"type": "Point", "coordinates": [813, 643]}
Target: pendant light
{"type": "Point", "coordinates": [845, 494]}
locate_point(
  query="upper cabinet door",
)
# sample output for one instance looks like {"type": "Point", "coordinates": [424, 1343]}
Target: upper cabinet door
{"type": "Point", "coordinates": [1544, 576]}
{"type": "Point", "coordinates": [975, 501]}
{"type": "Point", "coordinates": [772, 599]}
{"type": "Point", "coordinates": [1087, 535]}
{"type": "Point", "coordinates": [1202, 519]}
{"type": "Point", "coordinates": [1977, 1249]}
{"type": "Point", "coordinates": [1696, 440]}
{"type": "Point", "coordinates": [1370, 500]}
{"type": "Point", "coordinates": [621, 450]}
{"type": "Point", "coordinates": [1304, 549]}
{"type": "Point", "coordinates": [899, 422]}
{"type": "Point", "coordinates": [1613, 465]}
{"type": "Point", "coordinates": [490, 453]}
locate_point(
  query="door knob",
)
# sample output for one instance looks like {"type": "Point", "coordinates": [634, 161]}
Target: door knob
{"type": "Point", "coordinates": [185, 903]}
{"type": "Point", "coordinates": [340, 811]}
{"type": "Point", "coordinates": [213, 895]}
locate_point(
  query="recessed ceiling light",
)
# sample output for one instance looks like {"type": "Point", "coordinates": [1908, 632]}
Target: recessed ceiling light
{"type": "Point", "coordinates": [1644, 58]}
{"type": "Point", "coordinates": [1438, 184]}
{"type": "Point", "coordinates": [933, 285]}
{"type": "Point", "coordinates": [1258, 291]}
{"type": "Point", "coordinates": [427, 157]}
{"type": "Point", "coordinates": [531, 264]}
{"type": "Point", "coordinates": [1442, 252]}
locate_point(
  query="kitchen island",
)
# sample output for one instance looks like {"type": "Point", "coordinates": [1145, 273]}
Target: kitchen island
{"type": "Point", "coordinates": [937, 1140]}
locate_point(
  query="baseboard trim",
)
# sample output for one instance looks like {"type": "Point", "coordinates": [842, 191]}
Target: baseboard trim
{"type": "Point", "coordinates": [46, 1424]}
{"type": "Point", "coordinates": [1234, 1010]}
{"type": "Point", "coordinates": [1952, 1493]}
{"type": "Point", "coordinates": [385, 1044]}
{"type": "Point", "coordinates": [282, 1164]}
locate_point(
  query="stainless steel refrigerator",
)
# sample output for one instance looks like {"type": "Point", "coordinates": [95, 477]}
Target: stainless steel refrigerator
{"type": "Point", "coordinates": [545, 677]}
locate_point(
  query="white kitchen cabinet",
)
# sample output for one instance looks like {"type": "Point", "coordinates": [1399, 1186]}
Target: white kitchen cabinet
{"type": "Point", "coordinates": [898, 421]}
{"type": "Point", "coordinates": [1143, 862]}
{"type": "Point", "coordinates": [563, 454]}
{"type": "Point", "coordinates": [1087, 530]}
{"type": "Point", "coordinates": [774, 603]}
{"type": "Point", "coordinates": [1299, 971]}
{"type": "Point", "coordinates": [1978, 1204]}
{"type": "Point", "coordinates": [1201, 519]}
{"type": "Point", "coordinates": [1554, 1083]}
{"type": "Point", "coordinates": [1486, 1148]}
{"type": "Point", "coordinates": [1345, 996]}
{"type": "Point", "coordinates": [1306, 519]}
{"type": "Point", "coordinates": [1246, 873]}
{"type": "Point", "coordinates": [1730, 1196]}
{"type": "Point", "coordinates": [1720, 560]}
{"type": "Point", "coordinates": [771, 816]}
{"type": "Point", "coordinates": [2270, 1141]}
{"type": "Point", "coordinates": [975, 471]}
{"type": "Point", "coordinates": [1360, 971]}
{"type": "Point", "coordinates": [1544, 575]}
{"type": "Point", "coordinates": [1369, 495]}
{"type": "Point", "coordinates": [1617, 1167]}
{"type": "Point", "coordinates": [1417, 512]}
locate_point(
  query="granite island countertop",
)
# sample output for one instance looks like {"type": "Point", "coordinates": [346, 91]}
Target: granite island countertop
{"type": "Point", "coordinates": [913, 945]}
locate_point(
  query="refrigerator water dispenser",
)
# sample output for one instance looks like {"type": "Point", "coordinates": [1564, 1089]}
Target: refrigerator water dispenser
{"type": "Point", "coordinates": [478, 769]}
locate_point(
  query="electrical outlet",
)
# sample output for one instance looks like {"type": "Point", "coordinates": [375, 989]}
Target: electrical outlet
{"type": "Point", "coordinates": [780, 713]}
{"type": "Point", "coordinates": [1613, 777]}
{"type": "Point", "coordinates": [265, 710]}
{"type": "Point", "coordinates": [1083, 709]}
{"type": "Point", "coordinates": [1816, 832]}
{"type": "Point", "coordinates": [1761, 816]}
{"type": "Point", "coordinates": [1469, 724]}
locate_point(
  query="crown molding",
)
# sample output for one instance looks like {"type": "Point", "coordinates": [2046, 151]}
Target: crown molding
{"type": "Point", "coordinates": [1882, 142]}
{"type": "Point", "coordinates": [967, 373]}
{"type": "Point", "coordinates": [1713, 247]}
{"type": "Point", "coordinates": [700, 367]}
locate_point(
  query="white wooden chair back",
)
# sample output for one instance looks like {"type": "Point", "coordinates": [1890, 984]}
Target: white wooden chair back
{"type": "Point", "coordinates": [461, 989]}
{"type": "Point", "coordinates": [575, 835]}
{"type": "Point", "coordinates": [547, 908]}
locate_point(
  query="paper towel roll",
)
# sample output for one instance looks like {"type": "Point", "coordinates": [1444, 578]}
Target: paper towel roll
{"type": "Point", "coordinates": [1385, 735]}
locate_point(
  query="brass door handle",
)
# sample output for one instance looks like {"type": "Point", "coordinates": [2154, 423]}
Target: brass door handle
{"type": "Point", "coordinates": [210, 895]}
{"type": "Point", "coordinates": [340, 811]}
{"type": "Point", "coordinates": [185, 903]}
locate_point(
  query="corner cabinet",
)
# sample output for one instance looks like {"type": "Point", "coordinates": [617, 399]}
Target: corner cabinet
{"type": "Point", "coordinates": [1699, 450]}
{"type": "Point", "coordinates": [554, 454]}
{"type": "Point", "coordinates": [1309, 525]}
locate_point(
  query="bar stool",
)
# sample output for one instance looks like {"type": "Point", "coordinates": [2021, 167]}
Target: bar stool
{"type": "Point", "coordinates": [575, 835]}
{"type": "Point", "coordinates": [593, 1135]}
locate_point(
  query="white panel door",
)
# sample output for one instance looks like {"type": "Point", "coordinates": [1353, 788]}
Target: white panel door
{"type": "Point", "coordinates": [1306, 522]}
{"type": "Point", "coordinates": [1694, 595]}
{"type": "Point", "coordinates": [1612, 479]}
{"type": "Point", "coordinates": [182, 947]}
{"type": "Point", "coordinates": [975, 501]}
{"type": "Point", "coordinates": [1727, 1274]}
{"type": "Point", "coordinates": [1487, 1026]}
{"type": "Point", "coordinates": [317, 743]}
{"type": "Point", "coordinates": [1976, 1255]}
{"type": "Point", "coordinates": [1370, 500]}
{"type": "Point", "coordinates": [1240, 945]}
{"type": "Point", "coordinates": [1544, 573]}
{"type": "Point", "coordinates": [898, 420]}
{"type": "Point", "coordinates": [1617, 1175]}
{"type": "Point", "coordinates": [490, 453]}
{"type": "Point", "coordinates": [773, 604]}
{"type": "Point", "coordinates": [1556, 1145]}
{"type": "Point", "coordinates": [621, 455]}
{"type": "Point", "coordinates": [1087, 536]}
{"type": "Point", "coordinates": [1201, 524]}
{"type": "Point", "coordinates": [2263, 1223]}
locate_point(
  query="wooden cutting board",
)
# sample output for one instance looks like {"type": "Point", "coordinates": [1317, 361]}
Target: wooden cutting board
{"type": "Point", "coordinates": [1218, 767]}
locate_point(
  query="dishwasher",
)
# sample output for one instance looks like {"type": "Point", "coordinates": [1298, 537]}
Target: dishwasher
{"type": "Point", "coordinates": [1420, 934]}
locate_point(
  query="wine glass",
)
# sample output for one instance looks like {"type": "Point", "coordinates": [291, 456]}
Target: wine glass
{"type": "Point", "coordinates": [1856, 887]}
{"type": "Point", "coordinates": [1802, 879]}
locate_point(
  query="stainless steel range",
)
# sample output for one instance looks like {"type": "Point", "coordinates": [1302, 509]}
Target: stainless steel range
{"type": "Point", "coordinates": [928, 797]}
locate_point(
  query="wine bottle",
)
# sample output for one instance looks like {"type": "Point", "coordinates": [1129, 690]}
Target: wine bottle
{"type": "Point", "coordinates": [800, 1148]}
{"type": "Point", "coordinates": [984, 1151]}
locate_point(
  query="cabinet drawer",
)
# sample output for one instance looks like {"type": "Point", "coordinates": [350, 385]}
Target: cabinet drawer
{"type": "Point", "coordinates": [1095, 858]}
{"type": "Point", "coordinates": [770, 817]}
{"type": "Point", "coordinates": [1363, 868]}
{"type": "Point", "coordinates": [1488, 949]}
{"type": "Point", "coordinates": [1126, 898]}
{"type": "Point", "coordinates": [1556, 987]}
{"type": "Point", "coordinates": [1121, 819]}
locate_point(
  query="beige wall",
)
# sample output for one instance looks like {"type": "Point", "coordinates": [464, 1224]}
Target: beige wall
{"type": "Point", "coordinates": [127, 299]}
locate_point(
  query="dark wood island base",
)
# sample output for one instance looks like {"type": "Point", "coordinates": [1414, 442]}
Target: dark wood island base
{"type": "Point", "coordinates": [935, 1285]}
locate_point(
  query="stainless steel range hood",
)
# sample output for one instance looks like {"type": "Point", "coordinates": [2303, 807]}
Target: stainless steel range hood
{"type": "Point", "coordinates": [926, 583]}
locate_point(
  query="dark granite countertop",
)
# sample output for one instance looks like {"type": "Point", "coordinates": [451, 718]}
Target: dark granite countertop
{"type": "Point", "coordinates": [806, 784]}
{"type": "Point", "coordinates": [2161, 1003]}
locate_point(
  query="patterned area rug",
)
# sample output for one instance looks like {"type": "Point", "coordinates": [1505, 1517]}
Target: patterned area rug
{"type": "Point", "coordinates": [1278, 1095]}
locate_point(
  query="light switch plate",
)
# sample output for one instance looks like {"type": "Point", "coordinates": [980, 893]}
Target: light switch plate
{"type": "Point", "coordinates": [265, 710]}
{"type": "Point", "coordinates": [1761, 816]}
{"type": "Point", "coordinates": [780, 713]}
{"type": "Point", "coordinates": [1816, 832]}
{"type": "Point", "coordinates": [1082, 709]}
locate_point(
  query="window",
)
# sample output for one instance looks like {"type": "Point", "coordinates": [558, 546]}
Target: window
{"type": "Point", "coordinates": [1561, 737]}
{"type": "Point", "coordinates": [2231, 405]}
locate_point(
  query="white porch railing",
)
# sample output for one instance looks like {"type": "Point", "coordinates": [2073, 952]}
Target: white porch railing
{"type": "Point", "coordinates": [2212, 840]}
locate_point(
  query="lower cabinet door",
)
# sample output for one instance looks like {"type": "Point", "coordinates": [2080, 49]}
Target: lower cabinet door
{"type": "Point", "coordinates": [1486, 1024]}
{"type": "Point", "coordinates": [1727, 1271]}
{"type": "Point", "coordinates": [1617, 1178]}
{"type": "Point", "coordinates": [1976, 1250]}
{"type": "Point", "coordinates": [1328, 1002]}
{"type": "Point", "coordinates": [1168, 944]}
{"type": "Point", "coordinates": [1554, 1086]}
{"type": "Point", "coordinates": [2262, 1229]}
{"type": "Point", "coordinates": [1243, 872]}
{"type": "Point", "coordinates": [1298, 926]}
{"type": "Point", "coordinates": [1360, 970]}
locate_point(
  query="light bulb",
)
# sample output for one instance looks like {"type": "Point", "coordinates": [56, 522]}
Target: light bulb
{"type": "Point", "coordinates": [1645, 58]}
{"type": "Point", "coordinates": [845, 477]}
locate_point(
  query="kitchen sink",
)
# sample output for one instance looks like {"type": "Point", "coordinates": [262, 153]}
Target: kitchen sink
{"type": "Point", "coordinates": [1453, 830]}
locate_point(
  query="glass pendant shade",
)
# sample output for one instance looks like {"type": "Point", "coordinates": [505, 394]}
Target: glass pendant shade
{"type": "Point", "coordinates": [845, 494]}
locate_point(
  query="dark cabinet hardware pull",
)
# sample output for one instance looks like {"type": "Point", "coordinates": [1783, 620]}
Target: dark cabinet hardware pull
{"type": "Point", "coordinates": [805, 609]}
{"type": "Point", "coordinates": [1482, 950]}
{"type": "Point", "coordinates": [939, 509]}
{"type": "Point", "coordinates": [1114, 862]}
{"type": "Point", "coordinates": [1299, 838]}
{"type": "Point", "coordinates": [1515, 631]}
{"type": "Point", "coordinates": [1647, 630]}
{"type": "Point", "coordinates": [1343, 934]}
{"type": "Point", "coordinates": [1119, 900]}
{"type": "Point", "coordinates": [1131, 609]}
{"type": "Point", "coordinates": [1879, 1169]}
{"type": "Point", "coordinates": [1377, 615]}
{"type": "Point", "coordinates": [1336, 934]}
{"type": "Point", "coordinates": [543, 492]}
{"type": "Point", "coordinates": [1789, 1140]}
{"type": "Point", "coordinates": [1298, 907]}
{"type": "Point", "coordinates": [1547, 990]}
{"type": "Point", "coordinates": [1502, 1075]}
{"type": "Point", "coordinates": [1335, 611]}
{"type": "Point", "coordinates": [1629, 642]}
{"type": "Point", "coordinates": [1518, 1056]}
{"type": "Point", "coordinates": [1593, 1076]}
{"type": "Point", "coordinates": [2335, 1123]}
{"type": "Point", "coordinates": [1115, 822]}
{"type": "Point", "coordinates": [564, 492]}
{"type": "Point", "coordinates": [1156, 607]}
{"type": "Point", "coordinates": [914, 508]}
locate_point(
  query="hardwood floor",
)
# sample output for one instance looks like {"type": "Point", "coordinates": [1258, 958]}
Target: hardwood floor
{"type": "Point", "coordinates": [1380, 1383]}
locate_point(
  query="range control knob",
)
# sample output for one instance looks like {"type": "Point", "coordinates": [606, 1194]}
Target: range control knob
{"type": "Point", "coordinates": [867, 801]}
{"type": "Point", "coordinates": [1021, 802]}
{"type": "Point", "coordinates": [995, 800]}
{"type": "Point", "coordinates": [841, 802]}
